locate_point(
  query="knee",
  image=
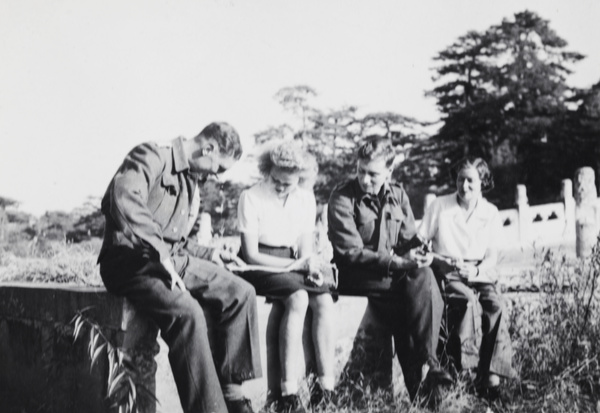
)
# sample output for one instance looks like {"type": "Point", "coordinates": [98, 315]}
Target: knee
{"type": "Point", "coordinates": [422, 276]}
{"type": "Point", "coordinates": [422, 281]}
{"type": "Point", "coordinates": [297, 301]}
{"type": "Point", "coordinates": [190, 313]}
{"type": "Point", "coordinates": [492, 306]}
{"type": "Point", "coordinates": [243, 291]}
{"type": "Point", "coordinates": [321, 304]}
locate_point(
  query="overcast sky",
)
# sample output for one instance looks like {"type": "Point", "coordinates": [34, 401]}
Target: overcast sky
{"type": "Point", "coordinates": [83, 81]}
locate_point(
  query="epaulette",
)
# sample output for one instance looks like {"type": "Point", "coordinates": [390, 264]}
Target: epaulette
{"type": "Point", "coordinates": [397, 184]}
{"type": "Point", "coordinates": [343, 184]}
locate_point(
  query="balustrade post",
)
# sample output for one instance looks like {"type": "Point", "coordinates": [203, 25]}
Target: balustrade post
{"type": "Point", "coordinates": [586, 211]}
{"type": "Point", "coordinates": [523, 211]}
{"type": "Point", "coordinates": [205, 231]}
{"type": "Point", "coordinates": [566, 194]}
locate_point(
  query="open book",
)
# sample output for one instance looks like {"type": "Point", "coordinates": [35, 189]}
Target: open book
{"type": "Point", "coordinates": [298, 265]}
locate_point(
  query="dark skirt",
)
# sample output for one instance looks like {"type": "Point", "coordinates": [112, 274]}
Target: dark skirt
{"type": "Point", "coordinates": [280, 285]}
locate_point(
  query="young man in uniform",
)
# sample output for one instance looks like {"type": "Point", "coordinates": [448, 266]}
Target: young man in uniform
{"type": "Point", "coordinates": [371, 228]}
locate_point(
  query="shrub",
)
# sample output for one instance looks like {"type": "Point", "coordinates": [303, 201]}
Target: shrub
{"type": "Point", "coordinates": [51, 261]}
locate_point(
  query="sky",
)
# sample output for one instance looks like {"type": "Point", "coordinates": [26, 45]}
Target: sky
{"type": "Point", "coordinates": [84, 81]}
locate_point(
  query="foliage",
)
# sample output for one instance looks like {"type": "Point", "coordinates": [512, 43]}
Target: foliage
{"type": "Point", "coordinates": [6, 202]}
{"type": "Point", "coordinates": [51, 261]}
{"type": "Point", "coordinates": [89, 221]}
{"type": "Point", "coordinates": [220, 200]}
{"type": "Point", "coordinates": [332, 135]}
{"type": "Point", "coordinates": [123, 387]}
{"type": "Point", "coordinates": [503, 96]}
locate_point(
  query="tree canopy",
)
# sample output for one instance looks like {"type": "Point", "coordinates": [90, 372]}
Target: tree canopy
{"type": "Point", "coordinates": [503, 94]}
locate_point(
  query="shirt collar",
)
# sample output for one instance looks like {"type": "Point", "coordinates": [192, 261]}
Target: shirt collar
{"type": "Point", "coordinates": [480, 211]}
{"type": "Point", "coordinates": [180, 158]}
{"type": "Point", "coordinates": [386, 190]}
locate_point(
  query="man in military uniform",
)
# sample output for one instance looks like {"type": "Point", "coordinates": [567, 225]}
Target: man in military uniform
{"type": "Point", "coordinates": [147, 256]}
{"type": "Point", "coordinates": [372, 228]}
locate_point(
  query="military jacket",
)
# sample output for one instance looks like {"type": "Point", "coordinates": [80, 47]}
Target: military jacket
{"type": "Point", "coordinates": [151, 203]}
{"type": "Point", "coordinates": [364, 228]}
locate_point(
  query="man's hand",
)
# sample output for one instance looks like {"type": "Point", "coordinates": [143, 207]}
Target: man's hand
{"type": "Point", "coordinates": [175, 278]}
{"type": "Point", "coordinates": [420, 257]}
{"type": "Point", "coordinates": [413, 259]}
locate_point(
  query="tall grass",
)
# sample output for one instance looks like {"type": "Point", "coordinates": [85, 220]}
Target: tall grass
{"type": "Point", "coordinates": [556, 336]}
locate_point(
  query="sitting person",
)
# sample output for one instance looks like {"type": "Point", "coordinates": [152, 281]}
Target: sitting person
{"type": "Point", "coordinates": [370, 225]}
{"type": "Point", "coordinates": [277, 224]}
{"type": "Point", "coordinates": [463, 228]}
{"type": "Point", "coordinates": [149, 256]}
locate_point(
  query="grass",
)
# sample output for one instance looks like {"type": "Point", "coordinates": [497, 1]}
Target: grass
{"type": "Point", "coordinates": [555, 331]}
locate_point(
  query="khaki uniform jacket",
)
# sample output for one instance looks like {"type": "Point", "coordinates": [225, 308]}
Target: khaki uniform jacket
{"type": "Point", "coordinates": [150, 205]}
{"type": "Point", "coordinates": [364, 229]}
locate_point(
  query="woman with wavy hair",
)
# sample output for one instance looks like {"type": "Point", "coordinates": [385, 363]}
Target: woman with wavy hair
{"type": "Point", "coordinates": [463, 228]}
{"type": "Point", "coordinates": [277, 225]}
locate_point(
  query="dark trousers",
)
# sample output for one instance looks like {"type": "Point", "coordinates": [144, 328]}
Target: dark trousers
{"type": "Point", "coordinates": [182, 320]}
{"type": "Point", "coordinates": [495, 351]}
{"type": "Point", "coordinates": [412, 309]}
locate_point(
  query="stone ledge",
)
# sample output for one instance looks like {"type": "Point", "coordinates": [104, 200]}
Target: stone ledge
{"type": "Point", "coordinates": [35, 338]}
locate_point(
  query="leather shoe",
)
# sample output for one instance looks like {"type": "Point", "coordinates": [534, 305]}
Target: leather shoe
{"type": "Point", "coordinates": [437, 375]}
{"type": "Point", "coordinates": [239, 406]}
{"type": "Point", "coordinates": [434, 386]}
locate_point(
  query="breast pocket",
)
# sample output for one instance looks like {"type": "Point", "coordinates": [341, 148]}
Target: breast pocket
{"type": "Point", "coordinates": [366, 229]}
{"type": "Point", "coordinates": [161, 203]}
{"type": "Point", "coordinates": [395, 218]}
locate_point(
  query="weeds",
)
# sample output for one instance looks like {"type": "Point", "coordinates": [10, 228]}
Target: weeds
{"type": "Point", "coordinates": [124, 385]}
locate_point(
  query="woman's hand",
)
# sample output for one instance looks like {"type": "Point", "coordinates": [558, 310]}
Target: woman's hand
{"type": "Point", "coordinates": [226, 256]}
{"type": "Point", "coordinates": [301, 265]}
{"type": "Point", "coordinates": [314, 276]}
{"type": "Point", "coordinates": [466, 271]}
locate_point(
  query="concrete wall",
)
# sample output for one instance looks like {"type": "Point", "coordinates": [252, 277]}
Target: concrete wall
{"type": "Point", "coordinates": [42, 370]}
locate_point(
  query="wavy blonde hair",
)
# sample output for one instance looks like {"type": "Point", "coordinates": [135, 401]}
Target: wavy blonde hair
{"type": "Point", "coordinates": [290, 157]}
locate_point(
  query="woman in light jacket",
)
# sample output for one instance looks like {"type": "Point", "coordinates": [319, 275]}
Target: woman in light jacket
{"type": "Point", "coordinates": [463, 228]}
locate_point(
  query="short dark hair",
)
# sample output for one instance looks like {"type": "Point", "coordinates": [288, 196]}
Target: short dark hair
{"type": "Point", "coordinates": [482, 168]}
{"type": "Point", "coordinates": [226, 136]}
{"type": "Point", "coordinates": [376, 146]}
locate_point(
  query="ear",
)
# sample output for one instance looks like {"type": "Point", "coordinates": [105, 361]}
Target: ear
{"type": "Point", "coordinates": [390, 172]}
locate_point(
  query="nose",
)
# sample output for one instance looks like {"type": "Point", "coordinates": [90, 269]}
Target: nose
{"type": "Point", "coordinates": [366, 180]}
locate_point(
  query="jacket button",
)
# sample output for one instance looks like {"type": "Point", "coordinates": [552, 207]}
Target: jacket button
{"type": "Point", "coordinates": [183, 212]}
{"type": "Point", "coordinates": [174, 229]}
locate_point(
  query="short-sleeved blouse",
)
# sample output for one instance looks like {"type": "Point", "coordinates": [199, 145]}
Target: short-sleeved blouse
{"type": "Point", "coordinates": [276, 224]}
{"type": "Point", "coordinates": [453, 235]}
